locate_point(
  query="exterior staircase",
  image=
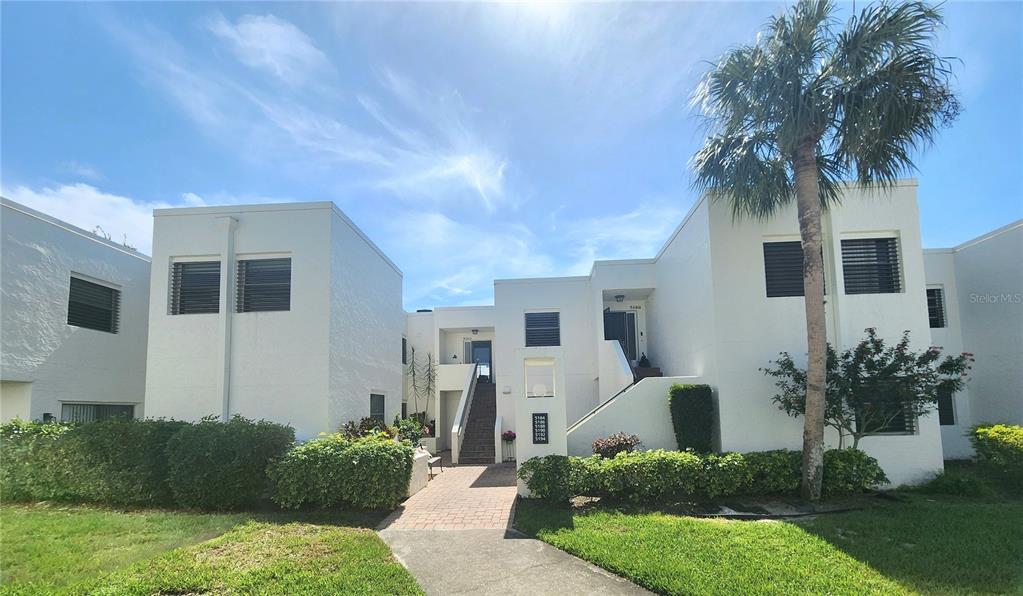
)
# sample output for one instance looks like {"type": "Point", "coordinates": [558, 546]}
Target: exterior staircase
{"type": "Point", "coordinates": [477, 446]}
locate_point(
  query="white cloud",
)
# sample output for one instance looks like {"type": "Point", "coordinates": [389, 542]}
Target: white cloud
{"type": "Point", "coordinates": [268, 43]}
{"type": "Point", "coordinates": [122, 218]}
{"type": "Point", "coordinates": [81, 170]}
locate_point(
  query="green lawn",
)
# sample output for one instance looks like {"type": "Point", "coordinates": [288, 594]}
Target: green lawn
{"type": "Point", "coordinates": [931, 545]}
{"type": "Point", "coordinates": [104, 551]}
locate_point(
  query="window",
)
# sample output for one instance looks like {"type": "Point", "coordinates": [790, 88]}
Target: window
{"type": "Point", "coordinates": [936, 307]}
{"type": "Point", "coordinates": [783, 268]}
{"type": "Point", "coordinates": [946, 410]}
{"type": "Point", "coordinates": [404, 410]}
{"type": "Point", "coordinates": [376, 406]}
{"type": "Point", "coordinates": [540, 429]}
{"type": "Point", "coordinates": [543, 329]}
{"type": "Point", "coordinates": [540, 378]}
{"type": "Point", "coordinates": [93, 306]}
{"type": "Point", "coordinates": [404, 351]}
{"type": "Point", "coordinates": [195, 288]}
{"type": "Point", "coordinates": [94, 412]}
{"type": "Point", "coordinates": [871, 266]}
{"type": "Point", "coordinates": [890, 418]}
{"type": "Point", "coordinates": [263, 285]}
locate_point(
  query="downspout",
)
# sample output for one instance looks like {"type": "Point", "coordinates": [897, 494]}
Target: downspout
{"type": "Point", "coordinates": [227, 225]}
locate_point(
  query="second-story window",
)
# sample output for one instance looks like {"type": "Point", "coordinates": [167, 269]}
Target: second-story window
{"type": "Point", "coordinates": [195, 288]}
{"type": "Point", "coordinates": [263, 285]}
{"type": "Point", "coordinates": [936, 307]}
{"type": "Point", "coordinates": [783, 268]}
{"type": "Point", "coordinates": [93, 306]}
{"type": "Point", "coordinates": [871, 266]}
{"type": "Point", "coordinates": [543, 329]}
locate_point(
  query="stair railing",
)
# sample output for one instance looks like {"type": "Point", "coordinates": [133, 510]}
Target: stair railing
{"type": "Point", "coordinates": [462, 413]}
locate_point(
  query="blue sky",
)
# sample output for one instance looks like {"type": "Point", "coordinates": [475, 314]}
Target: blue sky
{"type": "Point", "coordinates": [471, 142]}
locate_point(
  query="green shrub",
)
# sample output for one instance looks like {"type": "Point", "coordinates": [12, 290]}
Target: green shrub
{"type": "Point", "coordinates": [119, 461]}
{"type": "Point", "coordinates": [218, 465]}
{"type": "Point", "coordinates": [774, 472]}
{"type": "Point", "coordinates": [668, 476]}
{"type": "Point", "coordinates": [409, 429]}
{"type": "Point", "coordinates": [849, 471]}
{"type": "Point", "coordinates": [999, 445]}
{"type": "Point", "coordinates": [615, 444]}
{"type": "Point", "coordinates": [692, 416]}
{"type": "Point", "coordinates": [371, 473]}
{"type": "Point", "coordinates": [32, 463]}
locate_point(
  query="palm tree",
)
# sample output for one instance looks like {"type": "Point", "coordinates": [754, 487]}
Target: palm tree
{"type": "Point", "coordinates": [806, 107]}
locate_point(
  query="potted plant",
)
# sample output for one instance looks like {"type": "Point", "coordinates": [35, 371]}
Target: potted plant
{"type": "Point", "coordinates": [508, 436]}
{"type": "Point", "coordinates": [507, 451]}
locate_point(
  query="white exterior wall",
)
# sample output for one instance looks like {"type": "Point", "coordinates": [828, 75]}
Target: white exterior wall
{"type": "Point", "coordinates": [313, 366]}
{"type": "Point", "coordinates": [989, 280]}
{"type": "Point", "coordinates": [366, 325]}
{"type": "Point", "coordinates": [939, 266]}
{"type": "Point", "coordinates": [43, 360]}
{"type": "Point", "coordinates": [752, 329]}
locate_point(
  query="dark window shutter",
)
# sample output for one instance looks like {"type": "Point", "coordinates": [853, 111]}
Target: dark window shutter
{"type": "Point", "coordinates": [946, 411]}
{"type": "Point", "coordinates": [263, 285]}
{"type": "Point", "coordinates": [94, 412]}
{"type": "Point", "coordinates": [540, 435]}
{"type": "Point", "coordinates": [543, 329]}
{"type": "Point", "coordinates": [195, 288]}
{"type": "Point", "coordinates": [936, 307]}
{"type": "Point", "coordinates": [93, 306]}
{"type": "Point", "coordinates": [897, 419]}
{"type": "Point", "coordinates": [783, 268]}
{"type": "Point", "coordinates": [404, 351]}
{"type": "Point", "coordinates": [871, 266]}
{"type": "Point", "coordinates": [376, 406]}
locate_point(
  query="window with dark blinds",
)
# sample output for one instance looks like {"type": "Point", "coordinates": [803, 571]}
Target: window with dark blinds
{"type": "Point", "coordinates": [889, 418]}
{"type": "Point", "coordinates": [195, 288]}
{"type": "Point", "coordinates": [946, 411]}
{"type": "Point", "coordinates": [936, 307]}
{"type": "Point", "coordinates": [404, 351]}
{"type": "Point", "coordinates": [783, 268]}
{"type": "Point", "coordinates": [376, 406]}
{"type": "Point", "coordinates": [93, 306]}
{"type": "Point", "coordinates": [263, 285]}
{"type": "Point", "coordinates": [871, 266]}
{"type": "Point", "coordinates": [94, 412]}
{"type": "Point", "coordinates": [543, 329]}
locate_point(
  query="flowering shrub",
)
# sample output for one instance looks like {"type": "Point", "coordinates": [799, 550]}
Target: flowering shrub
{"type": "Point", "coordinates": [508, 436]}
{"type": "Point", "coordinates": [615, 444]}
{"type": "Point", "coordinates": [667, 476]}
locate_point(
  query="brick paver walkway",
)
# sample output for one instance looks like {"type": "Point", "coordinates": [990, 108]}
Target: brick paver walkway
{"type": "Point", "coordinates": [460, 498]}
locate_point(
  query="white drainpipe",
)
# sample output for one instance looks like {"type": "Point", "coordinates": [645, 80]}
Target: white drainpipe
{"type": "Point", "coordinates": [227, 224]}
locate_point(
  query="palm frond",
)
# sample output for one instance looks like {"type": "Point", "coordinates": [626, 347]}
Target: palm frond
{"type": "Point", "coordinates": [747, 171]}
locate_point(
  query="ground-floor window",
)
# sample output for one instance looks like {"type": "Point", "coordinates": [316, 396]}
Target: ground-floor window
{"type": "Point", "coordinates": [946, 410]}
{"type": "Point", "coordinates": [376, 406]}
{"type": "Point", "coordinates": [95, 412]}
{"type": "Point", "coordinates": [887, 418]}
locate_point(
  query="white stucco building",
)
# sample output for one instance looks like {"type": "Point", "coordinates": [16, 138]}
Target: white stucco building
{"type": "Point", "coordinates": [975, 301]}
{"type": "Point", "coordinates": [286, 312]}
{"type": "Point", "coordinates": [73, 321]}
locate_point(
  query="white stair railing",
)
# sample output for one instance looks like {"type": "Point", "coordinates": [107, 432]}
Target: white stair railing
{"type": "Point", "coordinates": [462, 413]}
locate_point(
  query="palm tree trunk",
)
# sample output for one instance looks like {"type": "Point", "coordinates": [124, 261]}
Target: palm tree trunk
{"type": "Point", "coordinates": [809, 207]}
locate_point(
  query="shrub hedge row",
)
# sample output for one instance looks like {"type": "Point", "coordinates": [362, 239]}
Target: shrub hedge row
{"type": "Point", "coordinates": [666, 476]}
{"type": "Point", "coordinates": [207, 465]}
{"type": "Point", "coordinates": [999, 448]}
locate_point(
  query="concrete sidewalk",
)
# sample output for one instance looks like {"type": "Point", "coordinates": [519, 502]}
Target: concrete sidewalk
{"type": "Point", "coordinates": [497, 562]}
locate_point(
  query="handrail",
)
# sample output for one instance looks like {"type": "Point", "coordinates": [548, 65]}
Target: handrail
{"type": "Point", "coordinates": [498, 454]}
{"type": "Point", "coordinates": [462, 413]}
{"type": "Point", "coordinates": [593, 412]}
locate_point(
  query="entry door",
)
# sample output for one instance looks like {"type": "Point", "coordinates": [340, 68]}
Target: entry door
{"type": "Point", "coordinates": [621, 325]}
{"type": "Point", "coordinates": [481, 352]}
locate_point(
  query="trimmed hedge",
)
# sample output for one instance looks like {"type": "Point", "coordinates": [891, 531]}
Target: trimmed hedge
{"type": "Point", "coordinates": [999, 445]}
{"type": "Point", "coordinates": [32, 464]}
{"type": "Point", "coordinates": [667, 476]}
{"type": "Point", "coordinates": [222, 465]}
{"type": "Point", "coordinates": [692, 416]}
{"type": "Point", "coordinates": [370, 473]}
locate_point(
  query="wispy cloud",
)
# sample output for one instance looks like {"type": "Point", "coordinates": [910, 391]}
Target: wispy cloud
{"type": "Point", "coordinates": [267, 43]}
{"type": "Point", "coordinates": [81, 170]}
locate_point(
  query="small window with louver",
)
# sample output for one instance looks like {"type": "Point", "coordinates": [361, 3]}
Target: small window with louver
{"type": "Point", "coordinates": [783, 268]}
{"type": "Point", "coordinates": [195, 288]}
{"type": "Point", "coordinates": [543, 329]}
{"type": "Point", "coordinates": [93, 306]}
{"type": "Point", "coordinates": [871, 266]}
{"type": "Point", "coordinates": [936, 307]}
{"type": "Point", "coordinates": [263, 285]}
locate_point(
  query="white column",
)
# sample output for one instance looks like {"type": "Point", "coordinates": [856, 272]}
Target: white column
{"type": "Point", "coordinates": [227, 225]}
{"type": "Point", "coordinates": [526, 407]}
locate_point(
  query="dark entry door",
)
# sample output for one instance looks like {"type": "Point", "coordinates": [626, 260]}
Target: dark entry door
{"type": "Point", "coordinates": [483, 354]}
{"type": "Point", "coordinates": [621, 325]}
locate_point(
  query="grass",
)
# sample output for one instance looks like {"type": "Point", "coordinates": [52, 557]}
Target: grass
{"type": "Point", "coordinates": [103, 551]}
{"type": "Point", "coordinates": [929, 545]}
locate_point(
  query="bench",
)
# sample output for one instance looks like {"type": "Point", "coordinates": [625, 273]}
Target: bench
{"type": "Point", "coordinates": [434, 460]}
